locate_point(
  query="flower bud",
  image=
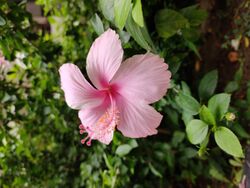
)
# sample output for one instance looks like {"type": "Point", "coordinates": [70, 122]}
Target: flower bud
{"type": "Point", "coordinates": [230, 116]}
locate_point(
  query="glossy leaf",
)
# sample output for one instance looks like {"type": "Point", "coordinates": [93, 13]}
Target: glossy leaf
{"type": "Point", "coordinates": [228, 142]}
{"type": "Point", "coordinates": [196, 131]}
{"type": "Point", "coordinates": [188, 103]}
{"type": "Point", "coordinates": [207, 116]}
{"type": "Point", "coordinates": [219, 104]}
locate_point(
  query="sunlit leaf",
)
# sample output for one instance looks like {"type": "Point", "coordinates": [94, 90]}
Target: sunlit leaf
{"type": "Point", "coordinates": [228, 142]}
{"type": "Point", "coordinates": [137, 13]}
{"type": "Point", "coordinates": [122, 9]}
{"type": "Point", "coordinates": [196, 131]}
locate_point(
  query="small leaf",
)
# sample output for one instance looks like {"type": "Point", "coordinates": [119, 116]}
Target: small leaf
{"type": "Point", "coordinates": [239, 130]}
{"type": "Point", "coordinates": [107, 8]}
{"type": "Point", "coordinates": [124, 36]}
{"type": "Point", "coordinates": [137, 13]}
{"type": "Point", "coordinates": [185, 88]}
{"type": "Point", "coordinates": [168, 22]}
{"type": "Point", "coordinates": [123, 150]}
{"type": "Point", "coordinates": [2, 21]}
{"type": "Point", "coordinates": [219, 104]}
{"type": "Point", "coordinates": [97, 24]}
{"type": "Point", "coordinates": [228, 142]}
{"type": "Point", "coordinates": [192, 47]}
{"type": "Point", "coordinates": [122, 9]}
{"type": "Point", "coordinates": [217, 174]}
{"type": "Point", "coordinates": [207, 116]}
{"type": "Point", "coordinates": [208, 84]}
{"type": "Point", "coordinates": [133, 143]}
{"type": "Point", "coordinates": [231, 87]}
{"type": "Point", "coordinates": [196, 131]}
{"type": "Point", "coordinates": [177, 138]}
{"type": "Point", "coordinates": [195, 15]}
{"type": "Point", "coordinates": [154, 171]}
{"type": "Point", "coordinates": [188, 103]}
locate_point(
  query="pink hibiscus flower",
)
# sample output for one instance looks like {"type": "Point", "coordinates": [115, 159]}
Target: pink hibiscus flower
{"type": "Point", "coordinates": [122, 92]}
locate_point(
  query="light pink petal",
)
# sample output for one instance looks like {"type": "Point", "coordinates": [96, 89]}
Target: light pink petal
{"type": "Point", "coordinates": [104, 58]}
{"type": "Point", "coordinates": [89, 116]}
{"type": "Point", "coordinates": [78, 92]}
{"type": "Point", "coordinates": [137, 119]}
{"type": "Point", "coordinates": [99, 122]}
{"type": "Point", "coordinates": [143, 77]}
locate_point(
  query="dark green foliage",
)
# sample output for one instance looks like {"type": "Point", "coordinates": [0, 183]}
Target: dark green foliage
{"type": "Point", "coordinates": [39, 140]}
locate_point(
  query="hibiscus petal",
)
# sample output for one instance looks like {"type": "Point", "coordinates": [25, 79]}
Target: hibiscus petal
{"type": "Point", "coordinates": [143, 77]}
{"type": "Point", "coordinates": [104, 58]}
{"type": "Point", "coordinates": [78, 92]}
{"type": "Point", "coordinates": [89, 116]}
{"type": "Point", "coordinates": [100, 122]}
{"type": "Point", "coordinates": [137, 119]}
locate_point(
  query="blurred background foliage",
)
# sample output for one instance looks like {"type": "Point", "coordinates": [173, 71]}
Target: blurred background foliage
{"type": "Point", "coordinates": [39, 139]}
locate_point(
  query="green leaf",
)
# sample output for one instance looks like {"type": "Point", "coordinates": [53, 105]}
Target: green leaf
{"type": "Point", "coordinates": [140, 34]}
{"type": "Point", "coordinates": [124, 36]}
{"type": "Point", "coordinates": [186, 117]}
{"type": "Point", "coordinates": [207, 116]}
{"type": "Point", "coordinates": [238, 129]}
{"type": "Point", "coordinates": [168, 22]}
{"type": "Point", "coordinates": [191, 34]}
{"type": "Point", "coordinates": [2, 21]}
{"type": "Point", "coordinates": [137, 13]}
{"type": "Point", "coordinates": [228, 142]}
{"type": "Point", "coordinates": [194, 15]}
{"type": "Point", "coordinates": [196, 131]}
{"type": "Point", "coordinates": [97, 24]}
{"type": "Point", "coordinates": [208, 84]}
{"type": "Point", "coordinates": [177, 138]}
{"type": "Point", "coordinates": [231, 87]}
{"type": "Point", "coordinates": [122, 9]}
{"type": "Point", "coordinates": [217, 174]}
{"type": "Point", "coordinates": [188, 103]}
{"type": "Point", "coordinates": [219, 104]}
{"type": "Point", "coordinates": [123, 150]}
{"type": "Point", "coordinates": [239, 73]}
{"type": "Point", "coordinates": [185, 88]}
{"type": "Point", "coordinates": [192, 47]}
{"type": "Point", "coordinates": [107, 162]}
{"type": "Point", "coordinates": [248, 95]}
{"type": "Point", "coordinates": [154, 171]}
{"type": "Point", "coordinates": [133, 143]}
{"type": "Point", "coordinates": [107, 8]}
